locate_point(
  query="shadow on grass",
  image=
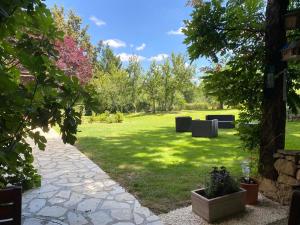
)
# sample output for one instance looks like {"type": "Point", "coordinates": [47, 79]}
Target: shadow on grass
{"type": "Point", "coordinates": [161, 166]}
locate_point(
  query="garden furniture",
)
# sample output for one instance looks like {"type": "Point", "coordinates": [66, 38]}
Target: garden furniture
{"type": "Point", "coordinates": [10, 205]}
{"type": "Point", "coordinates": [205, 128]}
{"type": "Point", "coordinates": [183, 123]}
{"type": "Point", "coordinates": [224, 121]}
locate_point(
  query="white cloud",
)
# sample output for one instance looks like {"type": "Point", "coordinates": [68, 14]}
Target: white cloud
{"type": "Point", "coordinates": [97, 21]}
{"type": "Point", "coordinates": [141, 47]}
{"type": "Point", "coordinates": [114, 43]}
{"type": "Point", "coordinates": [176, 32]}
{"type": "Point", "coordinates": [159, 57]}
{"type": "Point", "coordinates": [125, 57]}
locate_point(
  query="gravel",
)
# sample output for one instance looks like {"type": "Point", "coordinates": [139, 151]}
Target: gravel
{"type": "Point", "coordinates": [265, 212]}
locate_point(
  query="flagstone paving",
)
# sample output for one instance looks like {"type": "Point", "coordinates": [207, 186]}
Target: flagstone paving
{"type": "Point", "coordinates": [76, 191]}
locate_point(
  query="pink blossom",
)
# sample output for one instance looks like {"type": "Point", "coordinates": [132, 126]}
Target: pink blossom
{"type": "Point", "coordinates": [72, 60]}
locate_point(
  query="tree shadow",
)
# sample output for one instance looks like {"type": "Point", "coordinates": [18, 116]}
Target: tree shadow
{"type": "Point", "coordinates": [161, 166]}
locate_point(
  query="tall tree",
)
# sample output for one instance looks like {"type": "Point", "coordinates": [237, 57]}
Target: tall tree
{"type": "Point", "coordinates": [71, 25]}
{"type": "Point", "coordinates": [135, 71]}
{"type": "Point", "coordinates": [107, 60]}
{"type": "Point", "coordinates": [152, 84]}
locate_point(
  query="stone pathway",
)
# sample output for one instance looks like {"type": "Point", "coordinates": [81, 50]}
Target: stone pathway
{"type": "Point", "coordinates": [76, 191]}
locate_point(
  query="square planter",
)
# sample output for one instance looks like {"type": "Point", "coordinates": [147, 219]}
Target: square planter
{"type": "Point", "coordinates": [10, 205]}
{"type": "Point", "coordinates": [219, 207]}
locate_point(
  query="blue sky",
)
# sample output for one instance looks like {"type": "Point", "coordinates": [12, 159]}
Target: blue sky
{"type": "Point", "coordinates": [147, 28]}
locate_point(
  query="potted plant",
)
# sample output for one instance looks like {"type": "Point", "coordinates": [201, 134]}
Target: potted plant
{"type": "Point", "coordinates": [221, 197]}
{"type": "Point", "coordinates": [249, 184]}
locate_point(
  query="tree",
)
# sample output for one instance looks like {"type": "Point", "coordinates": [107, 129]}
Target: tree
{"type": "Point", "coordinates": [72, 60]}
{"type": "Point", "coordinates": [152, 84]}
{"type": "Point", "coordinates": [134, 71]}
{"type": "Point", "coordinates": [27, 42]}
{"type": "Point", "coordinates": [237, 28]}
{"type": "Point", "coordinates": [168, 86]}
{"type": "Point", "coordinates": [183, 75]}
{"type": "Point", "coordinates": [71, 25]}
{"type": "Point", "coordinates": [110, 81]}
{"type": "Point", "coordinates": [107, 61]}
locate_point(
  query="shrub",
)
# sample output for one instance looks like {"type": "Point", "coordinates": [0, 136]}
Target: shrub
{"type": "Point", "coordinates": [196, 106]}
{"type": "Point", "coordinates": [106, 117]}
{"type": "Point", "coordinates": [220, 183]}
{"type": "Point", "coordinates": [119, 117]}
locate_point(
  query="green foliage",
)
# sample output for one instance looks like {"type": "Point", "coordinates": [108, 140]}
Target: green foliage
{"type": "Point", "coordinates": [163, 87]}
{"type": "Point", "coordinates": [45, 98]}
{"type": "Point", "coordinates": [232, 34]}
{"type": "Point", "coordinates": [220, 183]}
{"type": "Point", "coordinates": [71, 25]}
{"type": "Point", "coordinates": [119, 117]}
{"type": "Point", "coordinates": [197, 106]}
{"type": "Point", "coordinates": [106, 117]}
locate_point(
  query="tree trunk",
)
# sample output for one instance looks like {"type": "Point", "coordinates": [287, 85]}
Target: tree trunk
{"type": "Point", "coordinates": [274, 107]}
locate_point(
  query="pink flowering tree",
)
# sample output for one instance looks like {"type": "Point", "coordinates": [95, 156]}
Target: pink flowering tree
{"type": "Point", "coordinates": [73, 60]}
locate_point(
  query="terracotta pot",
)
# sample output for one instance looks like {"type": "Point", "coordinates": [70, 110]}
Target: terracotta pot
{"type": "Point", "coordinates": [252, 193]}
{"type": "Point", "coordinates": [219, 207]}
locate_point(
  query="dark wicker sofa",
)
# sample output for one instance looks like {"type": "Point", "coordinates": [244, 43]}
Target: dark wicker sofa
{"type": "Point", "coordinates": [224, 121]}
{"type": "Point", "coordinates": [183, 124]}
{"type": "Point", "coordinates": [205, 128]}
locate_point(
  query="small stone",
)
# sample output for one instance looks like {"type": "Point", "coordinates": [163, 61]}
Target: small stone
{"type": "Point", "coordinates": [121, 214]}
{"type": "Point", "coordinates": [138, 219]}
{"type": "Point", "coordinates": [56, 222]}
{"type": "Point", "coordinates": [36, 204]}
{"type": "Point", "coordinates": [63, 194]}
{"type": "Point", "coordinates": [277, 155]}
{"type": "Point", "coordinates": [298, 175]}
{"type": "Point", "coordinates": [74, 199]}
{"type": "Point", "coordinates": [46, 195]}
{"type": "Point", "coordinates": [290, 158]}
{"type": "Point", "coordinates": [142, 211]}
{"type": "Point", "coordinates": [267, 185]}
{"type": "Point", "coordinates": [124, 197]}
{"type": "Point", "coordinates": [285, 179]}
{"type": "Point", "coordinates": [55, 200]}
{"type": "Point", "coordinates": [115, 205]}
{"type": "Point", "coordinates": [52, 211]}
{"type": "Point", "coordinates": [76, 219]}
{"type": "Point", "coordinates": [152, 218]}
{"type": "Point", "coordinates": [32, 221]}
{"type": "Point", "coordinates": [89, 205]}
{"type": "Point", "coordinates": [100, 218]}
{"type": "Point", "coordinates": [285, 167]}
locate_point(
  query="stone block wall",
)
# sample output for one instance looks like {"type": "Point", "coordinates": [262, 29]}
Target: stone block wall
{"type": "Point", "coordinates": [287, 164]}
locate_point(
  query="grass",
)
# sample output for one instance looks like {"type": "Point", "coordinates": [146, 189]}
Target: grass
{"type": "Point", "coordinates": [156, 164]}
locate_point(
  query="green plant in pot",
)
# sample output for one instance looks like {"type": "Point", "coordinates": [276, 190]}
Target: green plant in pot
{"type": "Point", "coordinates": [249, 183]}
{"type": "Point", "coordinates": [220, 198]}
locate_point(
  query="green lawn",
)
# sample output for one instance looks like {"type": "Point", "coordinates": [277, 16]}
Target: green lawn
{"type": "Point", "coordinates": [156, 164]}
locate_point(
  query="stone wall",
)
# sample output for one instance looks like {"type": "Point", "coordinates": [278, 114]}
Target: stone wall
{"type": "Point", "coordinates": [287, 164]}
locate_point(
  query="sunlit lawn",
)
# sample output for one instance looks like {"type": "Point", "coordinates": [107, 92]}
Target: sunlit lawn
{"type": "Point", "coordinates": [156, 164]}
